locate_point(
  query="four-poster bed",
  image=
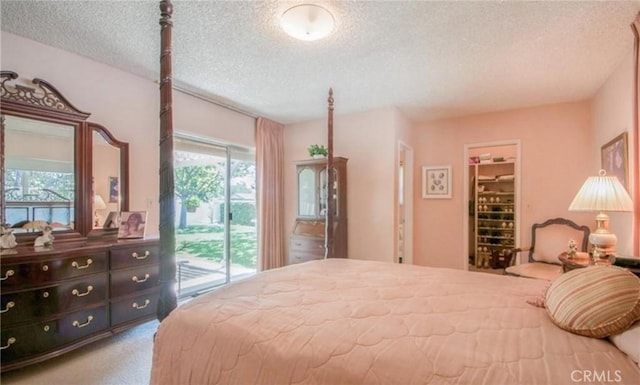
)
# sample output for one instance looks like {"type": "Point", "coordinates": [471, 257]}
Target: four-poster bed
{"type": "Point", "coordinates": [344, 321]}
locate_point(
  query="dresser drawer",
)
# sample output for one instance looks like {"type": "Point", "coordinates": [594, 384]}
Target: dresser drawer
{"type": "Point", "coordinates": [130, 256]}
{"type": "Point", "coordinates": [301, 256]}
{"type": "Point", "coordinates": [311, 245]}
{"type": "Point", "coordinates": [73, 264]}
{"type": "Point", "coordinates": [25, 341]}
{"type": "Point", "coordinates": [138, 307]}
{"type": "Point", "coordinates": [130, 281]}
{"type": "Point", "coordinates": [30, 305]}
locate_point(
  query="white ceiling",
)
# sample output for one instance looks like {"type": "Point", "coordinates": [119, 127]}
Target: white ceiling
{"type": "Point", "coordinates": [430, 59]}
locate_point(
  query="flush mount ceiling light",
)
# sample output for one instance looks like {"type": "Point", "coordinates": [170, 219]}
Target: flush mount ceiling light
{"type": "Point", "coordinates": [307, 22]}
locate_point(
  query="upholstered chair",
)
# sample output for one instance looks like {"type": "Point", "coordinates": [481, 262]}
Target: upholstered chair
{"type": "Point", "coordinates": [548, 241]}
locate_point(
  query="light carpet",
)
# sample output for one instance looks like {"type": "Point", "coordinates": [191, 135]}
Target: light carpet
{"type": "Point", "coordinates": [123, 359]}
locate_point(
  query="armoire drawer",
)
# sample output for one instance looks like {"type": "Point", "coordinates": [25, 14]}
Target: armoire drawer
{"type": "Point", "coordinates": [24, 341]}
{"type": "Point", "coordinates": [141, 306]}
{"type": "Point", "coordinates": [73, 264]}
{"type": "Point", "coordinates": [30, 305]}
{"type": "Point", "coordinates": [311, 245]}
{"type": "Point", "coordinates": [300, 256]}
{"type": "Point", "coordinates": [131, 281]}
{"type": "Point", "coordinates": [130, 256]}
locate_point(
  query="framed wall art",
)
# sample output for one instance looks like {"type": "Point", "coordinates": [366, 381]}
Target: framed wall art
{"type": "Point", "coordinates": [614, 157]}
{"type": "Point", "coordinates": [114, 194]}
{"type": "Point", "coordinates": [436, 182]}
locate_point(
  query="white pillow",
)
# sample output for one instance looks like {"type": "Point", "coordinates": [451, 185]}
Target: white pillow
{"type": "Point", "coordinates": [629, 342]}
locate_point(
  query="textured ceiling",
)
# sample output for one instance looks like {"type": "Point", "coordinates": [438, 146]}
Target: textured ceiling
{"type": "Point", "coordinates": [430, 59]}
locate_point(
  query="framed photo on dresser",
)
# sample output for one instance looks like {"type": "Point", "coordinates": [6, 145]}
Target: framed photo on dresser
{"type": "Point", "coordinates": [132, 224]}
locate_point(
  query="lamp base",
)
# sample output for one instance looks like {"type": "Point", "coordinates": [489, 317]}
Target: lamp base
{"type": "Point", "coordinates": [604, 244]}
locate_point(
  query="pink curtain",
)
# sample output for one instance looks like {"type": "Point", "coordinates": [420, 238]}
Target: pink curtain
{"type": "Point", "coordinates": [270, 186]}
{"type": "Point", "coordinates": [635, 27]}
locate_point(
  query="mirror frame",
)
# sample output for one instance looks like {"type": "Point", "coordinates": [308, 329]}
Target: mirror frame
{"type": "Point", "coordinates": [46, 103]}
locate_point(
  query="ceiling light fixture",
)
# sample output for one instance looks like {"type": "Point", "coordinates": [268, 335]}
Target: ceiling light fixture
{"type": "Point", "coordinates": [307, 22]}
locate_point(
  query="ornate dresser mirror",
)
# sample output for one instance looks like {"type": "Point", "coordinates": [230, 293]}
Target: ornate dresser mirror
{"type": "Point", "coordinates": [56, 168]}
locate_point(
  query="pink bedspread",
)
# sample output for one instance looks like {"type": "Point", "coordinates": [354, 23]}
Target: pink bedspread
{"type": "Point", "coordinates": [344, 321]}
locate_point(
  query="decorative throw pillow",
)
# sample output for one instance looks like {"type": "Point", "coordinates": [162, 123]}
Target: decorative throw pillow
{"type": "Point", "coordinates": [629, 342]}
{"type": "Point", "coordinates": [538, 300]}
{"type": "Point", "coordinates": [596, 301]}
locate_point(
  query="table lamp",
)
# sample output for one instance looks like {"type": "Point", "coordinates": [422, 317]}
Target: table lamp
{"type": "Point", "coordinates": [602, 193]}
{"type": "Point", "coordinates": [98, 204]}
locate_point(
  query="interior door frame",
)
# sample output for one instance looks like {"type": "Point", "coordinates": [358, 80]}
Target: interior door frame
{"type": "Point", "coordinates": [408, 180]}
{"type": "Point", "coordinates": [465, 202]}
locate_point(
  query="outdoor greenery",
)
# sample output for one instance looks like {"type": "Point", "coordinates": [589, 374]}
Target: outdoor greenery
{"type": "Point", "coordinates": [196, 184]}
{"type": "Point", "coordinates": [60, 182]}
{"type": "Point", "coordinates": [207, 242]}
{"type": "Point", "coordinates": [244, 213]}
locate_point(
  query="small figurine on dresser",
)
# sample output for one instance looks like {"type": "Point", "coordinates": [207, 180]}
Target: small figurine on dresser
{"type": "Point", "coordinates": [7, 240]}
{"type": "Point", "coordinates": [46, 239]}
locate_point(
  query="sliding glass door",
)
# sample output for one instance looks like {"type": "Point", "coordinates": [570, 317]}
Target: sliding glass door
{"type": "Point", "coordinates": [216, 238]}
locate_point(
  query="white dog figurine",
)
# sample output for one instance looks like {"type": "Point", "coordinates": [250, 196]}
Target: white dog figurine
{"type": "Point", "coordinates": [46, 239]}
{"type": "Point", "coordinates": [7, 240]}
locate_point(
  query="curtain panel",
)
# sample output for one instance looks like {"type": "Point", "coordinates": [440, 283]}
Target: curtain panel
{"type": "Point", "coordinates": [635, 27]}
{"type": "Point", "coordinates": [270, 186]}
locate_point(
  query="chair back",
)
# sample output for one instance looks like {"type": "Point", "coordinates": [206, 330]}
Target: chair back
{"type": "Point", "coordinates": [550, 238]}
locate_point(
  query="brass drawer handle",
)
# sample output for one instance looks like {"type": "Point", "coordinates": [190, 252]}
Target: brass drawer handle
{"type": "Point", "coordinates": [8, 274]}
{"type": "Point", "coordinates": [79, 325]}
{"type": "Point", "coordinates": [10, 304]}
{"type": "Point", "coordinates": [146, 303]}
{"type": "Point", "coordinates": [138, 280]}
{"type": "Point", "coordinates": [136, 256]}
{"type": "Point", "coordinates": [78, 294]}
{"type": "Point", "coordinates": [10, 341]}
{"type": "Point", "coordinates": [77, 266]}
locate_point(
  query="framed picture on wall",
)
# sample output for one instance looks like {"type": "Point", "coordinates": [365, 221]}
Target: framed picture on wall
{"type": "Point", "coordinates": [114, 195]}
{"type": "Point", "coordinates": [436, 182]}
{"type": "Point", "coordinates": [614, 157]}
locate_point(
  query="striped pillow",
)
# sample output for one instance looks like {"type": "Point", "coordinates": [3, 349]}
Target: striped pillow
{"type": "Point", "coordinates": [595, 301]}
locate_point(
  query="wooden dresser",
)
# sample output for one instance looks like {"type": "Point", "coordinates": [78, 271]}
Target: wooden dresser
{"type": "Point", "coordinates": [60, 298]}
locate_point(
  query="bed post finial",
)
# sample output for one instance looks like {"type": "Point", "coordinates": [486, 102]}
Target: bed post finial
{"type": "Point", "coordinates": [329, 215]}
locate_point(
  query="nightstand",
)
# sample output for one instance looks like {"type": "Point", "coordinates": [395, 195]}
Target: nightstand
{"type": "Point", "coordinates": [580, 262]}
{"type": "Point", "coordinates": [569, 264]}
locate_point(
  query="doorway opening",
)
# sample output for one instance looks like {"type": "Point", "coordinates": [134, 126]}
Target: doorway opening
{"type": "Point", "coordinates": [491, 223]}
{"type": "Point", "coordinates": [404, 205]}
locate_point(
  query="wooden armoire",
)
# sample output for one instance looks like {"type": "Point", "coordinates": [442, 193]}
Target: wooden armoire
{"type": "Point", "coordinates": [307, 240]}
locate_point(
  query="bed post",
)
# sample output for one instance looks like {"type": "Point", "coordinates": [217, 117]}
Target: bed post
{"type": "Point", "coordinates": [328, 245]}
{"type": "Point", "coordinates": [167, 301]}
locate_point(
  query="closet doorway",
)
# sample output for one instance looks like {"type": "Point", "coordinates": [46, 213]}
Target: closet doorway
{"type": "Point", "coordinates": [216, 237]}
{"type": "Point", "coordinates": [491, 223]}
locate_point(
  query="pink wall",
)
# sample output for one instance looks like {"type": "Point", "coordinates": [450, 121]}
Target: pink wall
{"type": "Point", "coordinates": [554, 164]}
{"type": "Point", "coordinates": [612, 115]}
{"type": "Point", "coordinates": [367, 140]}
